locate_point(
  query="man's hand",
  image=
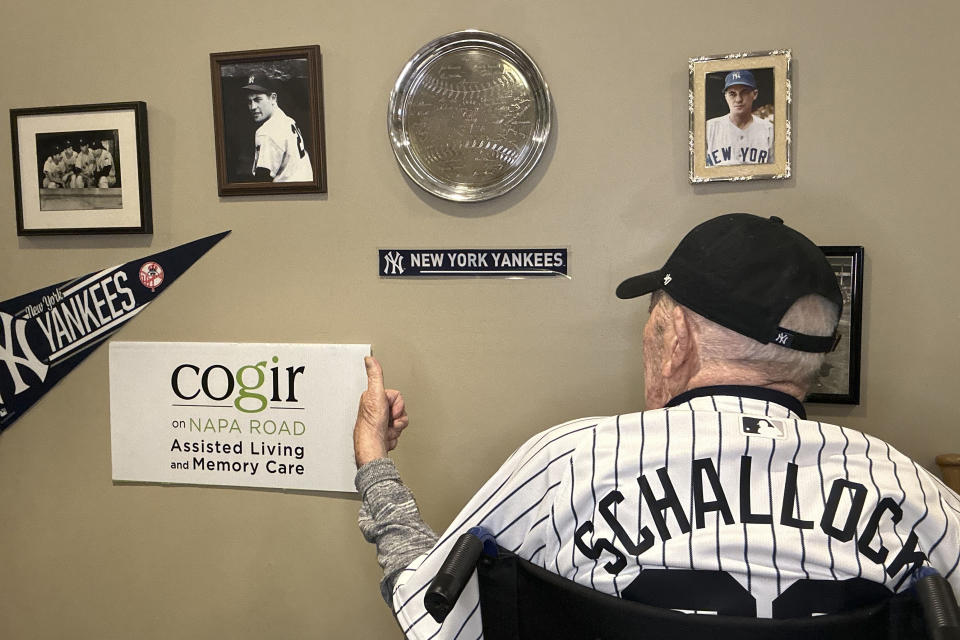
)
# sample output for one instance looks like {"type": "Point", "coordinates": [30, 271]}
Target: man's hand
{"type": "Point", "coordinates": [380, 419]}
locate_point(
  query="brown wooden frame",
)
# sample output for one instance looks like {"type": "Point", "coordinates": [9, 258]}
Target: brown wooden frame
{"type": "Point", "coordinates": [226, 184]}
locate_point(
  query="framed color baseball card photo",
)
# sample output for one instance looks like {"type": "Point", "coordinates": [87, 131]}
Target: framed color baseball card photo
{"type": "Point", "coordinates": [82, 169]}
{"type": "Point", "coordinates": [839, 378]}
{"type": "Point", "coordinates": [740, 116]}
{"type": "Point", "coordinates": [268, 121]}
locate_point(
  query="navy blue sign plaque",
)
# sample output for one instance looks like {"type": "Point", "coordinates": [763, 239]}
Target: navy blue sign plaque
{"type": "Point", "coordinates": [504, 263]}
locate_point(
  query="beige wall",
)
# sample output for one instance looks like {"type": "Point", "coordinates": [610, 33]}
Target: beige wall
{"type": "Point", "coordinates": [483, 363]}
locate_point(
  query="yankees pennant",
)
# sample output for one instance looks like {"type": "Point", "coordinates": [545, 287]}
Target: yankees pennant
{"type": "Point", "coordinates": [44, 334]}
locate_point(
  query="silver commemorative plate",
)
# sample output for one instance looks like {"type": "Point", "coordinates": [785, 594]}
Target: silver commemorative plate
{"type": "Point", "coordinates": [469, 116]}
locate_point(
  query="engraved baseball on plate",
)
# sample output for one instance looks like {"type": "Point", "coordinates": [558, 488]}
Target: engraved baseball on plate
{"type": "Point", "coordinates": [469, 116]}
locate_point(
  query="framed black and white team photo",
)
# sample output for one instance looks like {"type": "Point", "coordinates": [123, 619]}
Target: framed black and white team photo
{"type": "Point", "coordinates": [82, 169]}
{"type": "Point", "coordinates": [740, 116]}
{"type": "Point", "coordinates": [268, 121]}
{"type": "Point", "coordinates": [839, 378]}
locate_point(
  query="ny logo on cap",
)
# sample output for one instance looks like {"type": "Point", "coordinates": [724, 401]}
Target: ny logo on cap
{"type": "Point", "coordinates": [735, 75]}
{"type": "Point", "coordinates": [252, 79]}
{"type": "Point", "coordinates": [784, 338]}
{"type": "Point", "coordinates": [667, 279]}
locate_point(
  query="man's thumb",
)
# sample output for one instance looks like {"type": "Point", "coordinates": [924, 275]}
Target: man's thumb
{"type": "Point", "coordinates": [374, 374]}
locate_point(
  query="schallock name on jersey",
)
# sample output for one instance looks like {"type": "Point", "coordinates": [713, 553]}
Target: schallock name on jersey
{"type": "Point", "coordinates": [409, 263]}
{"type": "Point", "coordinates": [843, 511]}
{"type": "Point", "coordinates": [44, 334]}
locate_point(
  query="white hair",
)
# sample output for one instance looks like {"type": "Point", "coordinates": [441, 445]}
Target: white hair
{"type": "Point", "coordinates": [719, 347]}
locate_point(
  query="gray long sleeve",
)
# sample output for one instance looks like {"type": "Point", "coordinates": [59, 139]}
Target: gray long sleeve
{"type": "Point", "coordinates": [390, 519]}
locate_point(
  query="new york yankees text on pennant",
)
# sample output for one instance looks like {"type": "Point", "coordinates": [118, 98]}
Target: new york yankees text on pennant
{"type": "Point", "coordinates": [44, 334]}
{"type": "Point", "coordinates": [505, 263]}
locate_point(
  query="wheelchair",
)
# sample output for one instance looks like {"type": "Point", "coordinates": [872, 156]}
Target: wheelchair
{"type": "Point", "coordinates": [521, 601]}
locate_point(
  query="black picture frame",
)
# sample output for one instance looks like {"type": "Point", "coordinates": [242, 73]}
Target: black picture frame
{"type": "Point", "coordinates": [82, 169]}
{"type": "Point", "coordinates": [294, 77]}
{"type": "Point", "coordinates": [839, 379]}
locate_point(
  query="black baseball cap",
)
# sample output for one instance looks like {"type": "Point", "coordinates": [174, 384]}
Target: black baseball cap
{"type": "Point", "coordinates": [744, 272]}
{"type": "Point", "coordinates": [259, 83]}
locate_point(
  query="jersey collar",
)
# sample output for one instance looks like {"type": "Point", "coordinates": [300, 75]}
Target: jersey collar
{"type": "Point", "coordinates": [757, 393]}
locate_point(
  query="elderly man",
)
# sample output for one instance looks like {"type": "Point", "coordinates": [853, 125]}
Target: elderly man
{"type": "Point", "coordinates": [723, 480]}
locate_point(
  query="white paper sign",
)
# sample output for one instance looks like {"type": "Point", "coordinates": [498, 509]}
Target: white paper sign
{"type": "Point", "coordinates": [250, 415]}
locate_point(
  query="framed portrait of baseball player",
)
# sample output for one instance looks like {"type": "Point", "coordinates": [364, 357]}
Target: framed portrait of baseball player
{"type": "Point", "coordinates": [82, 169]}
{"type": "Point", "coordinates": [268, 121]}
{"type": "Point", "coordinates": [838, 381]}
{"type": "Point", "coordinates": [740, 116]}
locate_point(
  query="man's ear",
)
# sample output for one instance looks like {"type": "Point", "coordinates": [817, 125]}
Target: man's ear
{"type": "Point", "coordinates": [679, 348]}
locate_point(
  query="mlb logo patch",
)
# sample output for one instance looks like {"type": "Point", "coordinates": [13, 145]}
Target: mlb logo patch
{"type": "Point", "coordinates": [763, 427]}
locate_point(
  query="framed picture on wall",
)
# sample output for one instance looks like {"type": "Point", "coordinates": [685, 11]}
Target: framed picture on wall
{"type": "Point", "coordinates": [740, 116]}
{"type": "Point", "coordinates": [81, 169]}
{"type": "Point", "coordinates": [839, 379]}
{"type": "Point", "coordinates": [268, 121]}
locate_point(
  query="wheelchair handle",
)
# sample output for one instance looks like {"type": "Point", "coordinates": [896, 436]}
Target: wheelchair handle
{"type": "Point", "coordinates": [939, 607]}
{"type": "Point", "coordinates": [455, 572]}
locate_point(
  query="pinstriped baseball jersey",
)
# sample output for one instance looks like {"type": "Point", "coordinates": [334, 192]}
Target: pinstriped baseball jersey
{"type": "Point", "coordinates": [280, 149]}
{"type": "Point", "coordinates": [105, 159]}
{"type": "Point", "coordinates": [728, 144]}
{"type": "Point", "coordinates": [53, 170]}
{"type": "Point", "coordinates": [69, 158]}
{"type": "Point", "coordinates": [726, 501]}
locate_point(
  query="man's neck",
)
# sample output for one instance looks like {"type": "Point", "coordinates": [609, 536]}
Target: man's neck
{"type": "Point", "coordinates": [711, 377]}
{"type": "Point", "coordinates": [757, 393]}
{"type": "Point", "coordinates": [742, 122]}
